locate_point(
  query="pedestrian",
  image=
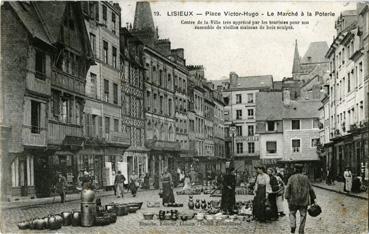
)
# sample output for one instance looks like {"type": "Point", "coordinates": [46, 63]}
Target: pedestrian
{"type": "Point", "coordinates": [132, 184]}
{"type": "Point", "coordinates": [261, 190]}
{"type": "Point", "coordinates": [272, 196]}
{"type": "Point", "coordinates": [146, 181]}
{"type": "Point", "coordinates": [61, 182]}
{"type": "Point", "coordinates": [167, 185]}
{"type": "Point", "coordinates": [299, 194]}
{"type": "Point", "coordinates": [280, 195]}
{"type": "Point", "coordinates": [228, 200]}
{"type": "Point", "coordinates": [348, 180]}
{"type": "Point", "coordinates": [119, 184]}
{"type": "Point", "coordinates": [187, 182]}
{"type": "Point", "coordinates": [182, 177]}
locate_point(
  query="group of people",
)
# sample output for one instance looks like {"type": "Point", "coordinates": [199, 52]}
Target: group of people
{"type": "Point", "coordinates": [270, 191]}
{"type": "Point", "coordinates": [119, 184]}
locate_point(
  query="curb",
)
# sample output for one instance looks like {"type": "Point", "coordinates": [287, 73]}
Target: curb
{"type": "Point", "coordinates": [347, 194]}
{"type": "Point", "coordinates": [46, 203]}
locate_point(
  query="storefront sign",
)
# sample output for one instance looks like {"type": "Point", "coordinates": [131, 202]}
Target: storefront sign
{"type": "Point", "coordinates": [247, 138]}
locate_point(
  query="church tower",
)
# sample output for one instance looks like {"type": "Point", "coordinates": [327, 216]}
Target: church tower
{"type": "Point", "coordinates": [296, 62]}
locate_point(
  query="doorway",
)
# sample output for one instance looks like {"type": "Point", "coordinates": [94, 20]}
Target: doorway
{"type": "Point", "coordinates": [23, 176]}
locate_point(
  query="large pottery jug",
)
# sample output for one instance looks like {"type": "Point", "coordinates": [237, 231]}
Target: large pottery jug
{"type": "Point", "coordinates": [191, 204]}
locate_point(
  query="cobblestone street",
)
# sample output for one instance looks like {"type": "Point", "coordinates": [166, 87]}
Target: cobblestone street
{"type": "Point", "coordinates": [341, 214]}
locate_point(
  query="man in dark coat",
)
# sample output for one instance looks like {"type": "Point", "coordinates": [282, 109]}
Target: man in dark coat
{"type": "Point", "coordinates": [61, 183]}
{"type": "Point", "coordinates": [228, 191]}
{"type": "Point", "coordinates": [299, 194]}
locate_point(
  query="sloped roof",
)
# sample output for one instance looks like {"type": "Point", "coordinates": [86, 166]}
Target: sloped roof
{"type": "Point", "coordinates": [52, 15]}
{"type": "Point", "coordinates": [143, 17]}
{"type": "Point", "coordinates": [264, 81]}
{"type": "Point", "coordinates": [301, 109]}
{"type": "Point", "coordinates": [269, 106]}
{"type": "Point", "coordinates": [316, 52]}
{"type": "Point", "coordinates": [29, 18]}
{"type": "Point", "coordinates": [296, 60]}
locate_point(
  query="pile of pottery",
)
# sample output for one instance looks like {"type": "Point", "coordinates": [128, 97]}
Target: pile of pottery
{"type": "Point", "coordinates": [52, 222]}
{"type": "Point", "coordinates": [173, 204]}
{"type": "Point", "coordinates": [174, 215]}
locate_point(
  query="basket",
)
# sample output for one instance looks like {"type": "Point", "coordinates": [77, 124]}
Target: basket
{"type": "Point", "coordinates": [148, 216]}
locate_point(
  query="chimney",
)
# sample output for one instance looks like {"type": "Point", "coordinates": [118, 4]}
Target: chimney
{"type": "Point", "coordinates": [233, 77]}
{"type": "Point", "coordinates": [178, 52]}
{"type": "Point", "coordinates": [163, 46]}
{"type": "Point", "coordinates": [286, 97]}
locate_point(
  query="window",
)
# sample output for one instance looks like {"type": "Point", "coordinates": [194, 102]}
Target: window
{"type": "Point", "coordinates": [116, 125]}
{"type": "Point", "coordinates": [170, 107]}
{"type": "Point", "coordinates": [250, 130]}
{"type": "Point", "coordinates": [35, 117]}
{"type": "Point", "coordinates": [93, 86]}
{"type": "Point", "coordinates": [239, 147]}
{"type": "Point", "coordinates": [295, 124]}
{"type": "Point", "coordinates": [78, 111]}
{"type": "Point", "coordinates": [113, 21]}
{"type": "Point", "coordinates": [295, 145]}
{"type": "Point", "coordinates": [115, 93]}
{"type": "Point", "coordinates": [239, 130]}
{"type": "Point", "coordinates": [161, 104]}
{"type": "Point", "coordinates": [114, 51]}
{"type": "Point", "coordinates": [315, 123]}
{"type": "Point", "coordinates": [348, 83]}
{"type": "Point", "coordinates": [271, 147]}
{"type": "Point", "coordinates": [40, 65]}
{"type": "Point", "coordinates": [107, 125]}
{"type": "Point", "coordinates": [105, 13]}
{"type": "Point", "coordinates": [270, 126]}
{"type": "Point", "coordinates": [106, 90]}
{"type": "Point", "coordinates": [238, 114]}
{"type": "Point", "coordinates": [250, 98]}
{"type": "Point", "coordinates": [315, 142]}
{"type": "Point", "coordinates": [251, 146]}
{"type": "Point", "coordinates": [105, 51]}
{"type": "Point", "coordinates": [238, 98]}
{"type": "Point", "coordinates": [250, 113]}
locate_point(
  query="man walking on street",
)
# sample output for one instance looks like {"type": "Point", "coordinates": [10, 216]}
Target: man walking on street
{"type": "Point", "coordinates": [299, 194]}
{"type": "Point", "coordinates": [60, 186]}
{"type": "Point", "coordinates": [119, 183]}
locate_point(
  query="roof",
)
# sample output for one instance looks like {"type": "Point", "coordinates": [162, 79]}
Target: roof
{"type": "Point", "coordinates": [143, 17]}
{"type": "Point", "coordinates": [257, 82]}
{"type": "Point", "coordinates": [269, 106]}
{"type": "Point", "coordinates": [302, 109]}
{"type": "Point", "coordinates": [30, 19]}
{"type": "Point", "coordinates": [296, 60]}
{"type": "Point", "coordinates": [316, 52]}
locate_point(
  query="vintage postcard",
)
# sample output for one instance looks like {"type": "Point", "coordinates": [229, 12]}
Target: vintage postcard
{"type": "Point", "coordinates": [184, 117]}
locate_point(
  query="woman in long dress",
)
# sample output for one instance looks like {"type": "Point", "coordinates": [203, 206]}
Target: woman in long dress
{"type": "Point", "coordinates": [280, 195]}
{"type": "Point", "coordinates": [167, 185]}
{"type": "Point", "coordinates": [228, 192]}
{"type": "Point", "coordinates": [348, 180]}
{"type": "Point", "coordinates": [261, 190]}
{"type": "Point", "coordinates": [187, 182]}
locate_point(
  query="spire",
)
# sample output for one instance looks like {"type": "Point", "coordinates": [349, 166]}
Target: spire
{"type": "Point", "coordinates": [143, 17]}
{"type": "Point", "coordinates": [296, 60]}
{"type": "Point", "coordinates": [143, 25]}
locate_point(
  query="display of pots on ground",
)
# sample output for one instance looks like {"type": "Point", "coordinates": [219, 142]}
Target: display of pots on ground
{"type": "Point", "coordinates": [173, 204]}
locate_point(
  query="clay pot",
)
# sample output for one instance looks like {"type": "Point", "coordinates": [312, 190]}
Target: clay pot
{"type": "Point", "coordinates": [54, 222]}
{"type": "Point", "coordinates": [203, 204]}
{"type": "Point", "coordinates": [197, 204]}
{"type": "Point", "coordinates": [67, 218]}
{"type": "Point", "coordinates": [88, 195]}
{"type": "Point", "coordinates": [23, 225]}
{"type": "Point", "coordinates": [76, 218]}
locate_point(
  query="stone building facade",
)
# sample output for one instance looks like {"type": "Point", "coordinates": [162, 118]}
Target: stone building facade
{"type": "Point", "coordinates": [347, 94]}
{"type": "Point", "coordinates": [43, 83]}
{"type": "Point", "coordinates": [104, 125]}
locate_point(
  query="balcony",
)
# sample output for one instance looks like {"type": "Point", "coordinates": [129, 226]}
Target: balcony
{"type": "Point", "coordinates": [117, 138]}
{"type": "Point", "coordinates": [33, 139]}
{"type": "Point", "coordinates": [57, 132]}
{"type": "Point", "coordinates": [162, 145]}
{"type": "Point", "coordinates": [67, 81]}
{"type": "Point", "coordinates": [41, 86]}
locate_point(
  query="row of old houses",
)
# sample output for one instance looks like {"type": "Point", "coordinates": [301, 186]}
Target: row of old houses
{"type": "Point", "coordinates": [81, 93]}
{"type": "Point", "coordinates": [344, 109]}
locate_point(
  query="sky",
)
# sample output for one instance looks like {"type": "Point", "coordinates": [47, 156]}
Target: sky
{"type": "Point", "coordinates": [246, 52]}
